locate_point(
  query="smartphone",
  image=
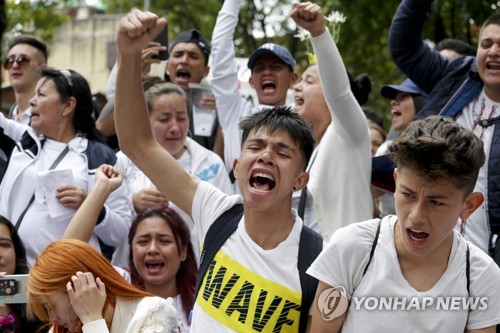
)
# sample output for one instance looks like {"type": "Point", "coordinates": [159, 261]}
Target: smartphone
{"type": "Point", "coordinates": [13, 289]}
{"type": "Point", "coordinates": [162, 38]}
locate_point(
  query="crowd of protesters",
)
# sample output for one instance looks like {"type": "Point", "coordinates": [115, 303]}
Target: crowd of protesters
{"type": "Point", "coordinates": [273, 217]}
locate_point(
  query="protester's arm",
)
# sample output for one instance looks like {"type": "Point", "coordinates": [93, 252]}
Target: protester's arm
{"type": "Point", "coordinates": [347, 115]}
{"type": "Point", "coordinates": [131, 115]}
{"type": "Point", "coordinates": [83, 222]}
{"type": "Point", "coordinates": [318, 323]}
{"type": "Point", "coordinates": [106, 121]}
{"type": "Point", "coordinates": [423, 65]}
{"type": "Point", "coordinates": [231, 106]}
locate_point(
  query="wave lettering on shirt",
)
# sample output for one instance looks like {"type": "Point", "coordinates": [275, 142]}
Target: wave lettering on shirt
{"type": "Point", "coordinates": [245, 301]}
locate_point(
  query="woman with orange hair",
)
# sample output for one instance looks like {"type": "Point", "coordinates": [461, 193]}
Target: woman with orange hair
{"type": "Point", "coordinates": [76, 289]}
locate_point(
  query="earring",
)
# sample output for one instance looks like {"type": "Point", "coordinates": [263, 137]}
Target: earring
{"type": "Point", "coordinates": [294, 189]}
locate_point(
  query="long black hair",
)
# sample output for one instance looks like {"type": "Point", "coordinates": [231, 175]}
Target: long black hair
{"type": "Point", "coordinates": [71, 84]}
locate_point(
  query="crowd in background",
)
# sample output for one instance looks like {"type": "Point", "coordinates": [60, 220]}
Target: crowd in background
{"type": "Point", "coordinates": [173, 212]}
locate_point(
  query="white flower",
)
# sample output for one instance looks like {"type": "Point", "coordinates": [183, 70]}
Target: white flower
{"type": "Point", "coordinates": [303, 35]}
{"type": "Point", "coordinates": [336, 17]}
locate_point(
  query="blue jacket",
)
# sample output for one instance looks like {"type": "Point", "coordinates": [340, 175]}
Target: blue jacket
{"type": "Point", "coordinates": [451, 85]}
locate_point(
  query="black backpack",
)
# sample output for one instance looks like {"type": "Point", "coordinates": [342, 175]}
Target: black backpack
{"type": "Point", "coordinates": [310, 245]}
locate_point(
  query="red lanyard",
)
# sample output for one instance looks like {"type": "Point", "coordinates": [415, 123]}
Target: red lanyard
{"type": "Point", "coordinates": [483, 122]}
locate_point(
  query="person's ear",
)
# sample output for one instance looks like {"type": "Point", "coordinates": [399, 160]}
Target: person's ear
{"type": "Point", "coordinates": [206, 70]}
{"type": "Point", "coordinates": [69, 107]}
{"type": "Point", "coordinates": [301, 181]}
{"type": "Point", "coordinates": [472, 202]}
{"type": "Point", "coordinates": [395, 175]}
{"type": "Point", "coordinates": [250, 80]}
{"type": "Point", "coordinates": [235, 168]}
{"type": "Point", "coordinates": [183, 254]}
{"type": "Point", "coordinates": [293, 79]}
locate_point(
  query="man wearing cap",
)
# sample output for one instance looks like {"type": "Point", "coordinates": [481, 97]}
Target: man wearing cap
{"type": "Point", "coordinates": [187, 63]}
{"type": "Point", "coordinates": [272, 75]}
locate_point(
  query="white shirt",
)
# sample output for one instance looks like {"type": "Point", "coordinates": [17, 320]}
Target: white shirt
{"type": "Point", "coordinates": [342, 262]}
{"type": "Point", "coordinates": [246, 273]}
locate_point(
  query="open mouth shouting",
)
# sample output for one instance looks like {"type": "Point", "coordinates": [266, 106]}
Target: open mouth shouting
{"type": "Point", "coordinates": [183, 75]}
{"type": "Point", "coordinates": [416, 237]}
{"type": "Point", "coordinates": [262, 182]}
{"type": "Point", "coordinates": [268, 87]}
{"type": "Point", "coordinates": [298, 101]}
{"type": "Point", "coordinates": [493, 65]}
{"type": "Point", "coordinates": [154, 266]}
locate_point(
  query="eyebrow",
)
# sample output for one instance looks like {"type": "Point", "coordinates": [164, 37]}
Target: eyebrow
{"type": "Point", "coordinates": [278, 144]}
{"type": "Point", "coordinates": [5, 239]}
{"type": "Point", "coordinates": [149, 235]}
{"type": "Point", "coordinates": [441, 196]}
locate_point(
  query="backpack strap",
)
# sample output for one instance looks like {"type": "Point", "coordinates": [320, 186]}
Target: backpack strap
{"type": "Point", "coordinates": [310, 245]}
{"type": "Point", "coordinates": [374, 245]}
{"type": "Point", "coordinates": [467, 276]}
{"type": "Point", "coordinates": [223, 227]}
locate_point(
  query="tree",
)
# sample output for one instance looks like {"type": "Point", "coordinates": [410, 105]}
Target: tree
{"type": "Point", "coordinates": [363, 40]}
{"type": "Point", "coordinates": [40, 18]}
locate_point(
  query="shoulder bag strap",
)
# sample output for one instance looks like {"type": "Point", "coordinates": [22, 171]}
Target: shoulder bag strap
{"type": "Point", "coordinates": [52, 167]}
{"type": "Point", "coordinates": [374, 245]}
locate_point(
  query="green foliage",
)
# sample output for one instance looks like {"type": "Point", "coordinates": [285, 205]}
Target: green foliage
{"type": "Point", "coordinates": [40, 18]}
{"type": "Point", "coordinates": [362, 43]}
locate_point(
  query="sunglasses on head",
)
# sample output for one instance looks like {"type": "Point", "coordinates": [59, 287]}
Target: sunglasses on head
{"type": "Point", "coordinates": [22, 60]}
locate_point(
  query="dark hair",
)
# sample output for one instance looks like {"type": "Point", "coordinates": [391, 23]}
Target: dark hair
{"type": "Point", "coordinates": [418, 101]}
{"type": "Point", "coordinates": [71, 84]}
{"type": "Point", "coordinates": [21, 263]}
{"type": "Point", "coordinates": [361, 86]}
{"type": "Point", "coordinates": [155, 87]}
{"type": "Point", "coordinates": [21, 267]}
{"type": "Point", "coordinates": [281, 118]}
{"type": "Point", "coordinates": [379, 129]}
{"type": "Point", "coordinates": [456, 45]}
{"type": "Point", "coordinates": [188, 270]}
{"type": "Point", "coordinates": [30, 40]}
{"type": "Point", "coordinates": [438, 148]}
{"type": "Point", "coordinates": [373, 116]}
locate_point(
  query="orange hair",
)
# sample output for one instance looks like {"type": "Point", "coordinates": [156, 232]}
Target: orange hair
{"type": "Point", "coordinates": [54, 268]}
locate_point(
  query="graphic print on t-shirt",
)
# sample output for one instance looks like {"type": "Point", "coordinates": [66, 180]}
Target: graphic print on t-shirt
{"type": "Point", "coordinates": [245, 301]}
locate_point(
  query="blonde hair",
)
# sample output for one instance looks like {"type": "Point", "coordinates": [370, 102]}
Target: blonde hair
{"type": "Point", "coordinates": [54, 268]}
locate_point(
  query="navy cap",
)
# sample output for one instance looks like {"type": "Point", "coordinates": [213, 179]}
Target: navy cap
{"type": "Point", "coordinates": [391, 90]}
{"type": "Point", "coordinates": [274, 49]}
{"type": "Point", "coordinates": [196, 37]}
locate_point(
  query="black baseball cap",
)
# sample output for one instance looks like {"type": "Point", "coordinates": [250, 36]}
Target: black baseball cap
{"type": "Point", "coordinates": [196, 37]}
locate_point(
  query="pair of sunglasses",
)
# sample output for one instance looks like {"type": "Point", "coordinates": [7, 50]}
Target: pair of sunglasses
{"type": "Point", "coordinates": [22, 60]}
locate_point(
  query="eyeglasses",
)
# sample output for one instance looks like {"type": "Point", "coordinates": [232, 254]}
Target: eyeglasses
{"type": "Point", "coordinates": [22, 61]}
{"type": "Point", "coordinates": [67, 74]}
